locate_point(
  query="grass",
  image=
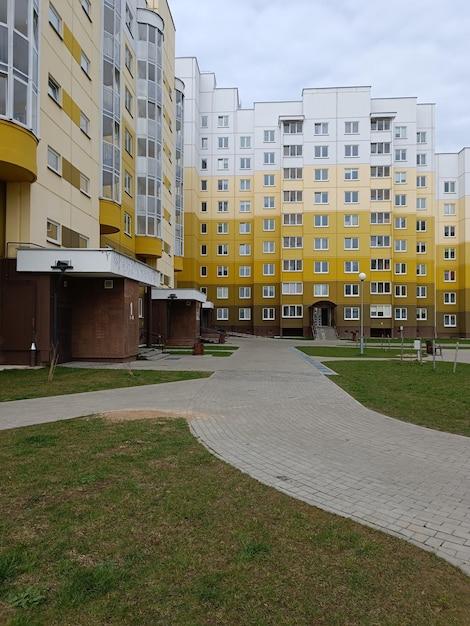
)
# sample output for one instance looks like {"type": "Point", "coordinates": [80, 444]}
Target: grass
{"type": "Point", "coordinates": [131, 523]}
{"type": "Point", "coordinates": [354, 352]}
{"type": "Point", "coordinates": [17, 384]}
{"type": "Point", "coordinates": [409, 391]}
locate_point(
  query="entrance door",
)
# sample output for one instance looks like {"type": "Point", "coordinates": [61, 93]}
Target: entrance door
{"type": "Point", "coordinates": [325, 317]}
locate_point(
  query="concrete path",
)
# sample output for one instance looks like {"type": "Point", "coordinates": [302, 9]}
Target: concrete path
{"type": "Point", "coordinates": [272, 413]}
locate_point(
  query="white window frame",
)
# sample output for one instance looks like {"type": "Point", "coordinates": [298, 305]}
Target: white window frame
{"type": "Point", "coordinates": [53, 160]}
{"type": "Point", "coordinates": [222, 314]}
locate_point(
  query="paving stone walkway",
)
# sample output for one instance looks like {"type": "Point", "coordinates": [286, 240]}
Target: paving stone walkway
{"type": "Point", "coordinates": [276, 416]}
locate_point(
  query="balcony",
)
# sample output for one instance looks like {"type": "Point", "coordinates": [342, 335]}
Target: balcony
{"type": "Point", "coordinates": [18, 156]}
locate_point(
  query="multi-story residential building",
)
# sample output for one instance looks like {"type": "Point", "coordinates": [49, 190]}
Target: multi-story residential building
{"type": "Point", "coordinates": [303, 214]}
{"type": "Point", "coordinates": [91, 211]}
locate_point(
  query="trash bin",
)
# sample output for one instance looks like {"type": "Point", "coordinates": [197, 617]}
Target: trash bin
{"type": "Point", "coordinates": [222, 338]}
{"type": "Point", "coordinates": [428, 346]}
{"type": "Point", "coordinates": [198, 347]}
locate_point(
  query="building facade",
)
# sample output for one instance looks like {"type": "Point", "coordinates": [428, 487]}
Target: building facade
{"type": "Point", "coordinates": [305, 214]}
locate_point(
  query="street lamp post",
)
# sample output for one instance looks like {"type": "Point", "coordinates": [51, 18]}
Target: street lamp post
{"type": "Point", "coordinates": [362, 278]}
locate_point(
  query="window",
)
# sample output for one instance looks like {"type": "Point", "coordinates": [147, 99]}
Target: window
{"type": "Point", "coordinates": [268, 291]}
{"type": "Point", "coordinates": [380, 217]}
{"type": "Point", "coordinates": [351, 313]}
{"type": "Point", "coordinates": [292, 151]}
{"type": "Point", "coordinates": [421, 313]}
{"type": "Point", "coordinates": [203, 249]}
{"type": "Point", "coordinates": [245, 163]}
{"type": "Point", "coordinates": [351, 173]}
{"type": "Point", "coordinates": [292, 219]}
{"type": "Point", "coordinates": [320, 174]}
{"type": "Point", "coordinates": [321, 291]}
{"type": "Point", "coordinates": [268, 202]}
{"type": "Point", "coordinates": [421, 226]}
{"type": "Point", "coordinates": [320, 243]}
{"type": "Point", "coordinates": [400, 291]}
{"type": "Point", "coordinates": [351, 128]}
{"type": "Point", "coordinates": [203, 185]}
{"type": "Point", "coordinates": [292, 265]}
{"type": "Point", "coordinates": [245, 142]}
{"type": "Point", "coordinates": [203, 164]}
{"type": "Point", "coordinates": [381, 310]}
{"type": "Point", "coordinates": [128, 184]}
{"type": "Point", "coordinates": [222, 184]}
{"type": "Point", "coordinates": [222, 142]}
{"type": "Point", "coordinates": [292, 128]}
{"type": "Point", "coordinates": [380, 287]}
{"type": "Point", "coordinates": [268, 313]}
{"type": "Point", "coordinates": [244, 228]}
{"type": "Point", "coordinates": [400, 178]}
{"type": "Point", "coordinates": [450, 297]}
{"type": "Point", "coordinates": [268, 247]}
{"type": "Point", "coordinates": [400, 132]}
{"type": "Point", "coordinates": [379, 195]}
{"type": "Point", "coordinates": [320, 197]}
{"type": "Point", "coordinates": [380, 171]}
{"type": "Point", "coordinates": [222, 121]}
{"type": "Point", "coordinates": [127, 224]}
{"type": "Point", "coordinates": [292, 310]}
{"type": "Point", "coordinates": [269, 136]}
{"type": "Point", "coordinates": [222, 249]}
{"type": "Point", "coordinates": [378, 265]}
{"type": "Point", "coordinates": [351, 243]}
{"type": "Point", "coordinates": [204, 121]}
{"type": "Point", "coordinates": [268, 180]}
{"type": "Point", "coordinates": [420, 159]}
{"type": "Point", "coordinates": [351, 267]}
{"type": "Point", "coordinates": [320, 128]}
{"type": "Point", "coordinates": [400, 199]}
{"type": "Point", "coordinates": [268, 224]}
{"type": "Point", "coordinates": [450, 319]}
{"type": "Point", "coordinates": [222, 293]}
{"type": "Point", "coordinates": [449, 186]}
{"type": "Point", "coordinates": [321, 152]}
{"type": "Point", "coordinates": [421, 269]}
{"type": "Point", "coordinates": [292, 196]}
{"type": "Point", "coordinates": [222, 314]}
{"type": "Point", "coordinates": [292, 242]}
{"type": "Point", "coordinates": [128, 58]}
{"type": "Point", "coordinates": [268, 158]}
{"type": "Point", "coordinates": [351, 150]}
{"type": "Point", "coordinates": [401, 313]}
{"type": "Point", "coordinates": [245, 249]}
{"type": "Point", "coordinates": [351, 290]}
{"type": "Point", "coordinates": [400, 223]}
{"type": "Point", "coordinates": [449, 231]}
{"type": "Point", "coordinates": [222, 271]}
{"type": "Point", "coordinates": [400, 155]}
{"type": "Point", "coordinates": [244, 293]}
{"type": "Point", "coordinates": [128, 142]}
{"type": "Point", "coordinates": [245, 207]}
{"type": "Point", "coordinates": [421, 247]}
{"type": "Point", "coordinates": [449, 254]}
{"type": "Point", "coordinates": [400, 245]}
{"type": "Point", "coordinates": [222, 206]}
{"type": "Point", "coordinates": [268, 269]}
{"type": "Point", "coordinates": [421, 136]}
{"type": "Point", "coordinates": [449, 276]}
{"type": "Point", "coordinates": [289, 289]}
{"type": "Point", "coordinates": [129, 18]}
{"type": "Point", "coordinates": [380, 241]}
{"type": "Point", "coordinates": [320, 267]}
{"type": "Point", "coordinates": [244, 271]}
{"type": "Point", "coordinates": [55, 20]}
{"type": "Point", "coordinates": [420, 181]}
{"type": "Point", "coordinates": [380, 147]}
{"type": "Point", "coordinates": [203, 228]}
{"type": "Point", "coordinates": [222, 164]}
{"type": "Point", "coordinates": [53, 90]}
{"type": "Point", "coordinates": [53, 232]}
{"type": "Point", "coordinates": [53, 160]}
{"type": "Point", "coordinates": [421, 291]}
{"type": "Point", "coordinates": [351, 197]}
{"type": "Point", "coordinates": [380, 123]}
{"type": "Point", "coordinates": [85, 63]}
{"type": "Point", "coordinates": [244, 314]}
{"type": "Point", "coordinates": [84, 123]}
{"type": "Point", "coordinates": [295, 173]}
{"type": "Point", "coordinates": [449, 209]}
{"type": "Point", "coordinates": [320, 221]}
{"type": "Point", "coordinates": [420, 204]}
{"type": "Point", "coordinates": [204, 207]}
{"type": "Point", "coordinates": [245, 184]}
{"type": "Point", "coordinates": [222, 228]}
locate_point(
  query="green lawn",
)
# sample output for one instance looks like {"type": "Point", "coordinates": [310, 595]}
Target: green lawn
{"type": "Point", "coordinates": [134, 523]}
{"type": "Point", "coordinates": [18, 384]}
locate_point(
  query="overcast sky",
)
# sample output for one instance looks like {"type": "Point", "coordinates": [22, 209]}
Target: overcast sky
{"type": "Point", "coordinates": [272, 49]}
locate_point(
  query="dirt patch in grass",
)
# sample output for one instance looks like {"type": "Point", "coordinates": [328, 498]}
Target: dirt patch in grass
{"type": "Point", "coordinates": [138, 414]}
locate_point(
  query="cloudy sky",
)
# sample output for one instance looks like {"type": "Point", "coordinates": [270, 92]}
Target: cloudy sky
{"type": "Point", "coordinates": [272, 49]}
